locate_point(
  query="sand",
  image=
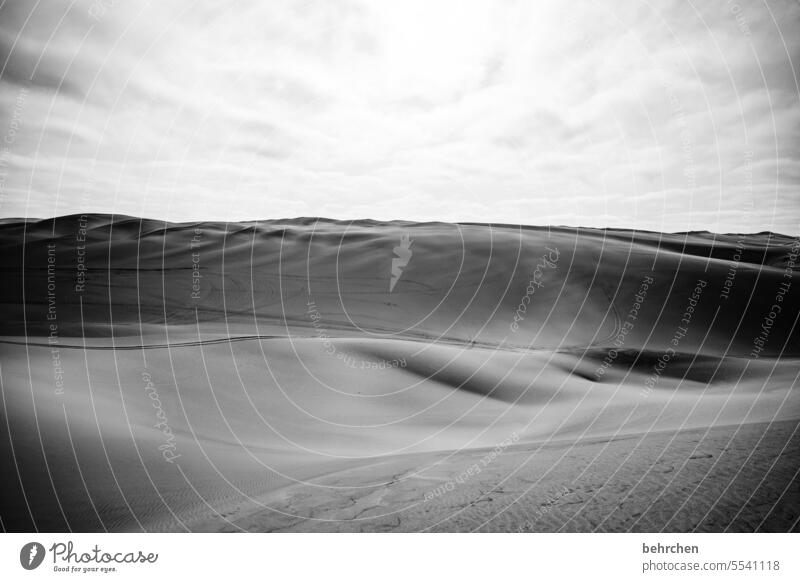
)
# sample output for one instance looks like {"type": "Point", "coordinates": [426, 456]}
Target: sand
{"type": "Point", "coordinates": [263, 376]}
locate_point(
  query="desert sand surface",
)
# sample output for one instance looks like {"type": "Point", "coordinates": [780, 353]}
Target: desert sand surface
{"type": "Point", "coordinates": [319, 375]}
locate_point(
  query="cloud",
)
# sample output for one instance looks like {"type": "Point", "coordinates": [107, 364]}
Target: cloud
{"type": "Point", "coordinates": [679, 117]}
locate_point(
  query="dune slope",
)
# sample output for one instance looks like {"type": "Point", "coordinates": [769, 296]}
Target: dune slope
{"type": "Point", "coordinates": [312, 374]}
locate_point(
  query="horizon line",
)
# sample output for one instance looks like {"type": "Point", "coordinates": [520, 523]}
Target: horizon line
{"type": "Point", "coordinates": [35, 220]}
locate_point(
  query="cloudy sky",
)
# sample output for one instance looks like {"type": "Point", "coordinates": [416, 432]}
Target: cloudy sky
{"type": "Point", "coordinates": [671, 116]}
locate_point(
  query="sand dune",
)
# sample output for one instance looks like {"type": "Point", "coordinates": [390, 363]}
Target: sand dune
{"type": "Point", "coordinates": [262, 376]}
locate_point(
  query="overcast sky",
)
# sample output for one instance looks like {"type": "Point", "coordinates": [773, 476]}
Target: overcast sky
{"type": "Point", "coordinates": [673, 116]}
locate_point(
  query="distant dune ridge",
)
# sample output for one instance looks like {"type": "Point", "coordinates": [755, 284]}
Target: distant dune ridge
{"type": "Point", "coordinates": [320, 375]}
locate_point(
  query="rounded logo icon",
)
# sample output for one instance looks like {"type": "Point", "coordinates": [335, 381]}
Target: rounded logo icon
{"type": "Point", "coordinates": [31, 555]}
